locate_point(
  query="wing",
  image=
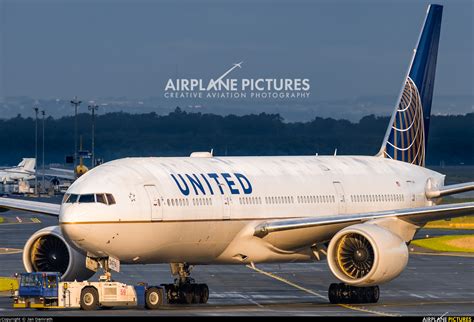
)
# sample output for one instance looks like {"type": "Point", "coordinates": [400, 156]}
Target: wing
{"type": "Point", "coordinates": [415, 216]}
{"type": "Point", "coordinates": [18, 171]}
{"type": "Point", "coordinates": [450, 190]}
{"type": "Point", "coordinates": [59, 173]}
{"type": "Point", "coordinates": [30, 206]}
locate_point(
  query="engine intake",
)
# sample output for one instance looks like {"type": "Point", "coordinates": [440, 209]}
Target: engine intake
{"type": "Point", "coordinates": [355, 255]}
{"type": "Point", "coordinates": [48, 251]}
{"type": "Point", "coordinates": [49, 254]}
{"type": "Point", "coordinates": [366, 255]}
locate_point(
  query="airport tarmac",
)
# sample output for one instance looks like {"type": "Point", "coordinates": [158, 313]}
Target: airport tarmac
{"type": "Point", "coordinates": [431, 285]}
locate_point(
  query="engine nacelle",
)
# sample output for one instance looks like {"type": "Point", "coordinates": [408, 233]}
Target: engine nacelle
{"type": "Point", "coordinates": [366, 255]}
{"type": "Point", "coordinates": [48, 251]}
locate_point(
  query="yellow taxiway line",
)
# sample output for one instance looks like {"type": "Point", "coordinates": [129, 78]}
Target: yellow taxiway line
{"type": "Point", "coordinates": [7, 251]}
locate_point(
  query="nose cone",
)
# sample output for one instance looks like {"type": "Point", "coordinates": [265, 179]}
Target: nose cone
{"type": "Point", "coordinates": [72, 228]}
{"type": "Point", "coordinates": [75, 232]}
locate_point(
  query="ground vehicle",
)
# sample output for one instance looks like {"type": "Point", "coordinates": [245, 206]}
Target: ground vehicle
{"type": "Point", "coordinates": [44, 290]}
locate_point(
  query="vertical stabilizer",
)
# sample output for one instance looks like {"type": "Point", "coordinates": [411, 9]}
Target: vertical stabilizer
{"type": "Point", "coordinates": [28, 164]}
{"type": "Point", "coordinates": [407, 135]}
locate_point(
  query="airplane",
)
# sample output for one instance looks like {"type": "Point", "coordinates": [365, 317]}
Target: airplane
{"type": "Point", "coordinates": [212, 82]}
{"type": "Point", "coordinates": [25, 170]}
{"type": "Point", "coordinates": [358, 212]}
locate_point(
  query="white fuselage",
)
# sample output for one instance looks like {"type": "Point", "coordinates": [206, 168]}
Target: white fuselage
{"type": "Point", "coordinates": [205, 209]}
{"type": "Point", "coordinates": [14, 174]}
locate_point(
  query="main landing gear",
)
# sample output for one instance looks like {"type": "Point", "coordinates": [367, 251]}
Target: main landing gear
{"type": "Point", "coordinates": [342, 293]}
{"type": "Point", "coordinates": [185, 290]}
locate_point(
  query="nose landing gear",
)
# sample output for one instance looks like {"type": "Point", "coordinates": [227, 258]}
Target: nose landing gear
{"type": "Point", "coordinates": [342, 293]}
{"type": "Point", "coordinates": [185, 290]}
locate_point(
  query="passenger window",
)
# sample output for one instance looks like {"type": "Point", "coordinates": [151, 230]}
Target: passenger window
{"type": "Point", "coordinates": [101, 198]}
{"type": "Point", "coordinates": [110, 199]}
{"type": "Point", "coordinates": [88, 198]}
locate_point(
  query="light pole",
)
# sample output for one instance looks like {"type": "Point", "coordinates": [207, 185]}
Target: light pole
{"type": "Point", "coordinates": [42, 184]}
{"type": "Point", "coordinates": [93, 107]}
{"type": "Point", "coordinates": [36, 149]}
{"type": "Point", "coordinates": [75, 102]}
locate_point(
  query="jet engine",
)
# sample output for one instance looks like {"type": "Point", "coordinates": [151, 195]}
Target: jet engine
{"type": "Point", "coordinates": [48, 251]}
{"type": "Point", "coordinates": [366, 255]}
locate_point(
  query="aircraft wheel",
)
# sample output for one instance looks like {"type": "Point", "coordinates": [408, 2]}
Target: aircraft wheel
{"type": "Point", "coordinates": [204, 290]}
{"type": "Point", "coordinates": [375, 294]}
{"type": "Point", "coordinates": [187, 293]}
{"type": "Point", "coordinates": [333, 293]}
{"type": "Point", "coordinates": [172, 293]}
{"type": "Point", "coordinates": [196, 290]}
{"type": "Point", "coordinates": [342, 293]}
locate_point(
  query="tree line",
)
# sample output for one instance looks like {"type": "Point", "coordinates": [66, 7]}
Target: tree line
{"type": "Point", "coordinates": [179, 133]}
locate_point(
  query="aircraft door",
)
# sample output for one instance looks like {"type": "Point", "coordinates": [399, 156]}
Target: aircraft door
{"type": "Point", "coordinates": [340, 197]}
{"type": "Point", "coordinates": [226, 203]}
{"type": "Point", "coordinates": [155, 202]}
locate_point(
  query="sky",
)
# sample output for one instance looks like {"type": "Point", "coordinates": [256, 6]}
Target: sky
{"type": "Point", "coordinates": [107, 48]}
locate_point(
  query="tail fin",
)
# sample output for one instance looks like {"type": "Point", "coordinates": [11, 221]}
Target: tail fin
{"type": "Point", "coordinates": [407, 135]}
{"type": "Point", "coordinates": [28, 164]}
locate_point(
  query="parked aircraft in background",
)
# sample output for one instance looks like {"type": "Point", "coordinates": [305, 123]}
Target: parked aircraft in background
{"type": "Point", "coordinates": [25, 170]}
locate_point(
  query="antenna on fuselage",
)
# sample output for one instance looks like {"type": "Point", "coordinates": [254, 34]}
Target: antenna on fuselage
{"type": "Point", "coordinates": [335, 152]}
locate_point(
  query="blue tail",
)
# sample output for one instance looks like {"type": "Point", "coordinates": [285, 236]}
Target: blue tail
{"type": "Point", "coordinates": [407, 134]}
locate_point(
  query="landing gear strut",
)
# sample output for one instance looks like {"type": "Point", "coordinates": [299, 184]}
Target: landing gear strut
{"type": "Point", "coordinates": [185, 290]}
{"type": "Point", "coordinates": [342, 293]}
{"type": "Point", "coordinates": [104, 264]}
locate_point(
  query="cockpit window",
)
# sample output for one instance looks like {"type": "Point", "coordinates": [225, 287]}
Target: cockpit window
{"type": "Point", "coordinates": [66, 197]}
{"type": "Point", "coordinates": [86, 198]}
{"type": "Point", "coordinates": [110, 199]}
{"type": "Point", "coordinates": [100, 197]}
{"type": "Point", "coordinates": [105, 198]}
{"type": "Point", "coordinates": [71, 198]}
